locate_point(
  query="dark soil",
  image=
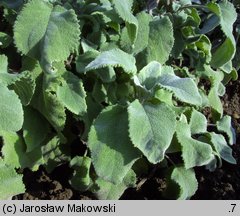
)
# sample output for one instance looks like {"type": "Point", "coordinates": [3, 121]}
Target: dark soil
{"type": "Point", "coordinates": [43, 186]}
{"type": "Point", "coordinates": [224, 183]}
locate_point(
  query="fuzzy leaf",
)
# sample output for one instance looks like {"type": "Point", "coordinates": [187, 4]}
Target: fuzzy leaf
{"type": "Point", "coordinates": [83, 60]}
{"type": "Point", "coordinates": [123, 8]}
{"type": "Point", "coordinates": [11, 183]}
{"type": "Point", "coordinates": [3, 64]}
{"type": "Point", "coordinates": [35, 128]}
{"type": "Point", "coordinates": [143, 32]}
{"type": "Point", "coordinates": [222, 148]}
{"type": "Point", "coordinates": [81, 177]}
{"type": "Point", "coordinates": [109, 191]}
{"type": "Point", "coordinates": [194, 152]}
{"type": "Point", "coordinates": [71, 93]}
{"type": "Point", "coordinates": [198, 122]}
{"type": "Point", "coordinates": [204, 44]}
{"type": "Point", "coordinates": [24, 87]}
{"type": "Point", "coordinates": [112, 152]}
{"type": "Point", "coordinates": [227, 15]}
{"type": "Point", "coordinates": [46, 102]}
{"type": "Point", "coordinates": [114, 58]}
{"type": "Point", "coordinates": [186, 180]}
{"type": "Point", "coordinates": [49, 35]}
{"type": "Point", "coordinates": [11, 114]}
{"type": "Point", "coordinates": [159, 126]}
{"type": "Point", "coordinates": [225, 125]}
{"type": "Point", "coordinates": [211, 23]}
{"type": "Point", "coordinates": [218, 59]}
{"type": "Point", "coordinates": [23, 83]}
{"type": "Point", "coordinates": [215, 78]}
{"type": "Point", "coordinates": [142, 35]}
{"type": "Point", "coordinates": [14, 152]}
{"type": "Point", "coordinates": [164, 96]}
{"type": "Point", "coordinates": [5, 77]}
{"type": "Point", "coordinates": [150, 74]}
{"type": "Point", "coordinates": [161, 40]}
{"type": "Point", "coordinates": [183, 89]}
{"type": "Point", "coordinates": [54, 153]}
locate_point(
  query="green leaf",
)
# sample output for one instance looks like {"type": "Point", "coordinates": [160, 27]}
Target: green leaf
{"type": "Point", "coordinates": [3, 64]}
{"type": "Point", "coordinates": [24, 87]}
{"type": "Point", "coordinates": [11, 112]}
{"type": "Point", "coordinates": [143, 32]}
{"type": "Point", "coordinates": [184, 89]}
{"type": "Point", "coordinates": [179, 43]}
{"type": "Point", "coordinates": [123, 8]}
{"type": "Point", "coordinates": [159, 126]}
{"type": "Point", "coordinates": [81, 179]}
{"type": "Point", "coordinates": [186, 180]}
{"type": "Point", "coordinates": [46, 101]}
{"type": "Point", "coordinates": [83, 60]}
{"type": "Point", "coordinates": [114, 58]}
{"type": "Point", "coordinates": [142, 35]}
{"type": "Point", "coordinates": [164, 96]}
{"type": "Point", "coordinates": [11, 183]}
{"type": "Point", "coordinates": [108, 191]}
{"type": "Point", "coordinates": [225, 125]}
{"type": "Point", "coordinates": [22, 83]}
{"type": "Point", "coordinates": [5, 77]}
{"type": "Point", "coordinates": [221, 147]}
{"type": "Point", "coordinates": [109, 142]}
{"type": "Point", "coordinates": [161, 40]}
{"type": "Point", "coordinates": [99, 92]}
{"type": "Point", "coordinates": [194, 152]}
{"type": "Point", "coordinates": [125, 42]}
{"type": "Point", "coordinates": [54, 153]}
{"type": "Point", "coordinates": [35, 128]}
{"type": "Point", "coordinates": [227, 15]}
{"type": "Point", "coordinates": [218, 59]}
{"type": "Point", "coordinates": [211, 23]}
{"type": "Point", "coordinates": [215, 78]}
{"type": "Point", "coordinates": [204, 44]}
{"type": "Point", "coordinates": [150, 74]}
{"type": "Point", "coordinates": [46, 33]}
{"type": "Point", "coordinates": [198, 122]}
{"type": "Point", "coordinates": [107, 75]}
{"type": "Point", "coordinates": [14, 152]}
{"type": "Point", "coordinates": [93, 110]}
{"type": "Point", "coordinates": [71, 93]}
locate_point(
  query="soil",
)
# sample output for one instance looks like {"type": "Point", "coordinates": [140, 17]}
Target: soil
{"type": "Point", "coordinates": [224, 183]}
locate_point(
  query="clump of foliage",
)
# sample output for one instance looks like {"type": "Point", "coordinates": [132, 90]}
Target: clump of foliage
{"type": "Point", "coordinates": [140, 82]}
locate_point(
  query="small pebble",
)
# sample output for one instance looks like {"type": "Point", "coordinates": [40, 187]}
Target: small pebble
{"type": "Point", "coordinates": [236, 116]}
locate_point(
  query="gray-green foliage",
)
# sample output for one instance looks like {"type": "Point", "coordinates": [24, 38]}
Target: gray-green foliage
{"type": "Point", "coordinates": [55, 35]}
{"type": "Point", "coordinates": [159, 126]}
{"type": "Point", "coordinates": [109, 141]}
{"type": "Point", "coordinates": [128, 85]}
{"type": "Point", "coordinates": [186, 181]}
{"type": "Point", "coordinates": [11, 117]}
{"type": "Point", "coordinates": [11, 182]}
